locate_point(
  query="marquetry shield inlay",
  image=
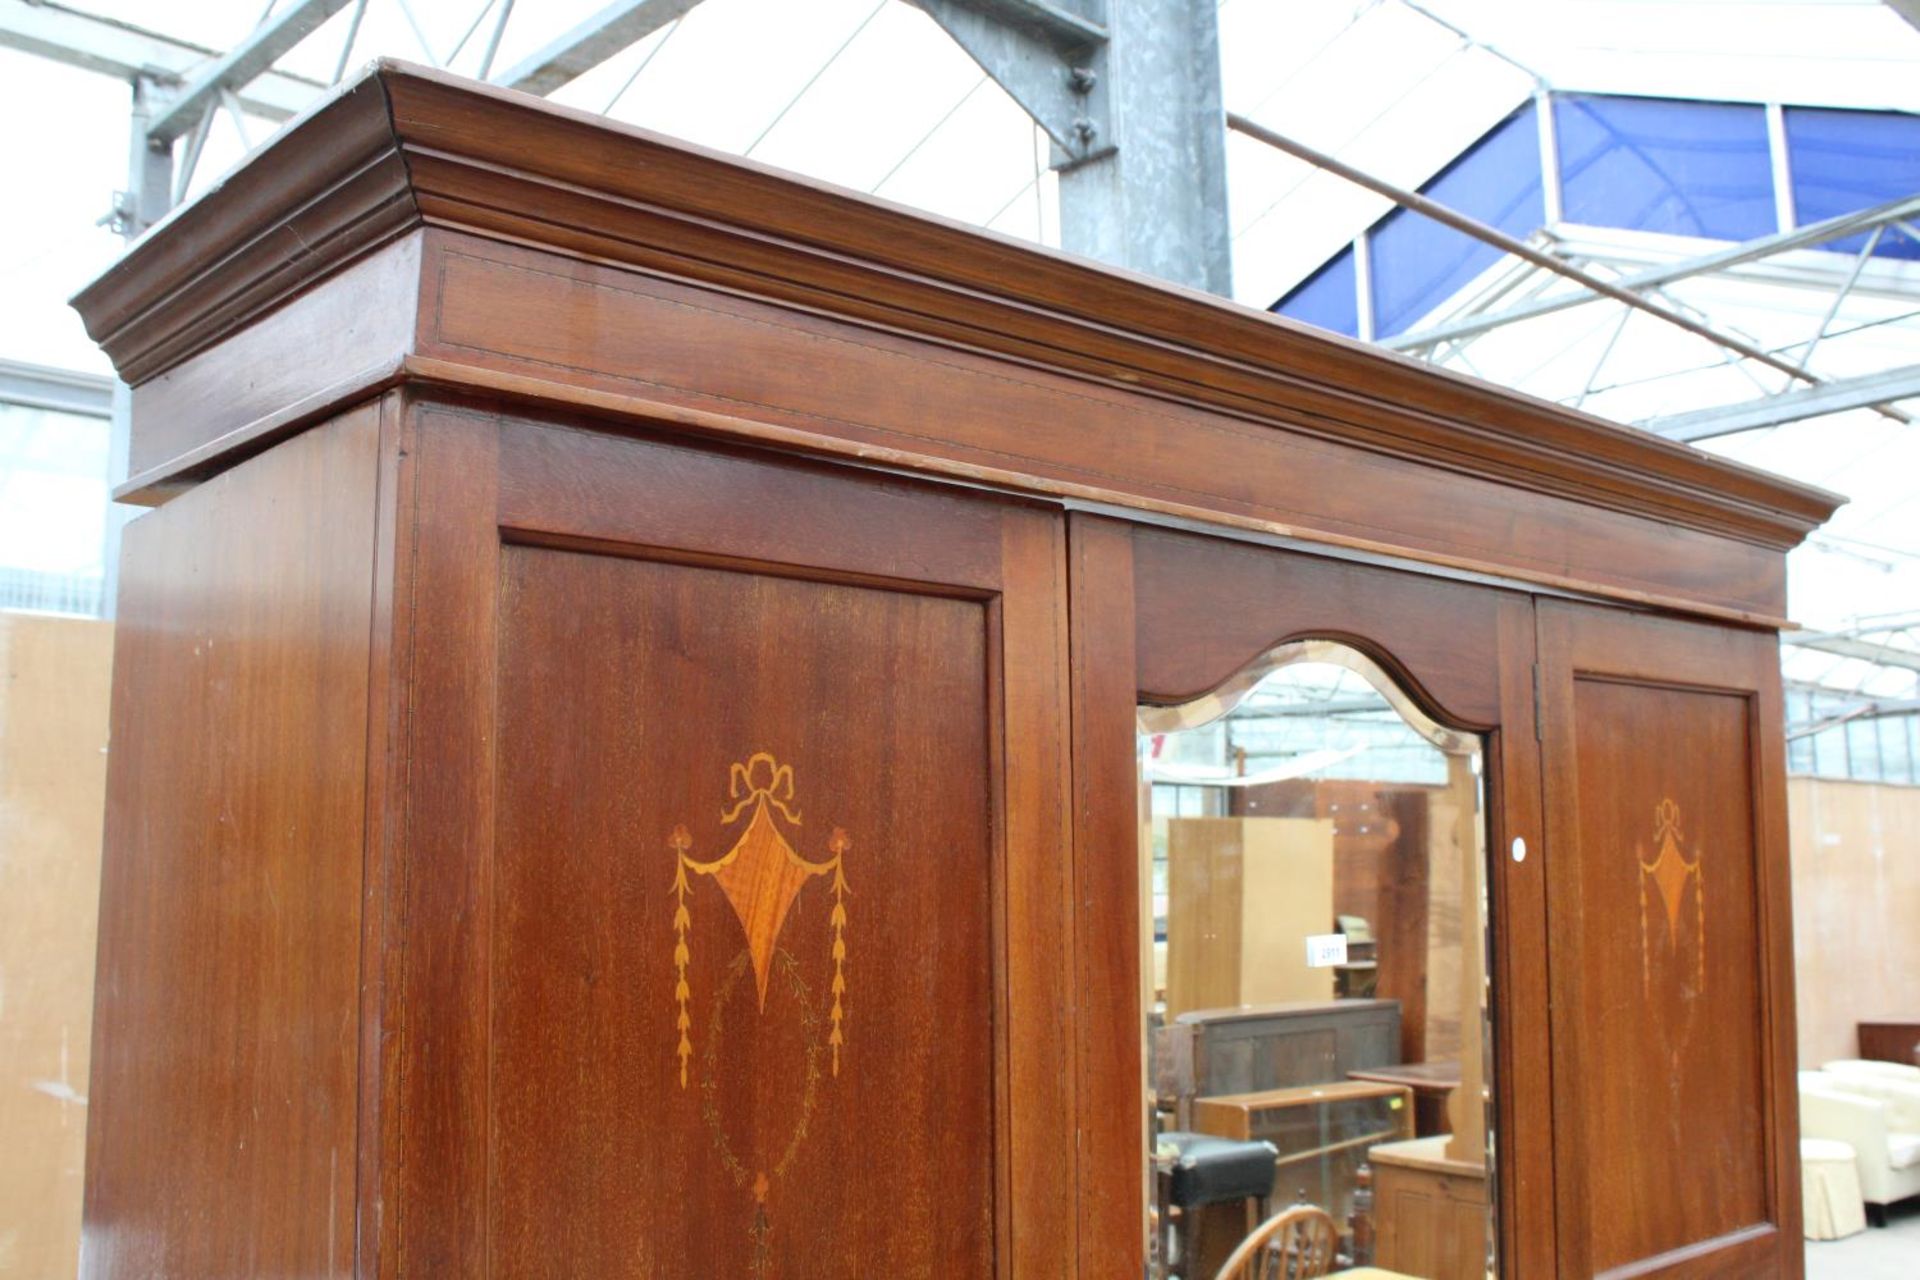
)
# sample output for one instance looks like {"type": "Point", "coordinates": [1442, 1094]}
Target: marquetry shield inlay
{"type": "Point", "coordinates": [1665, 881]}
{"type": "Point", "coordinates": [760, 876]}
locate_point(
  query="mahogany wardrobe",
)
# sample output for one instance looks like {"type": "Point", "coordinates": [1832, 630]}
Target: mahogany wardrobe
{"type": "Point", "coordinates": [648, 729]}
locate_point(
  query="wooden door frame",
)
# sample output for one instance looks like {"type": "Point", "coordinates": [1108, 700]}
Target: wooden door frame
{"type": "Point", "coordinates": [1386, 613]}
{"type": "Point", "coordinates": [483, 478]}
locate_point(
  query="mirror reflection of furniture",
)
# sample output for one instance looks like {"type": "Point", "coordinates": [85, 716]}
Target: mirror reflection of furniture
{"type": "Point", "coordinates": [1430, 1210]}
{"type": "Point", "coordinates": [1231, 1051]}
{"type": "Point", "coordinates": [1433, 1085]}
{"type": "Point", "coordinates": [1208, 1193]}
{"type": "Point", "coordinates": [1359, 977]}
{"type": "Point", "coordinates": [1295, 1244]}
{"type": "Point", "coordinates": [1320, 1133]}
{"type": "Point", "coordinates": [1430, 1194]}
{"type": "Point", "coordinates": [1386, 837]}
{"type": "Point", "coordinates": [1244, 894]}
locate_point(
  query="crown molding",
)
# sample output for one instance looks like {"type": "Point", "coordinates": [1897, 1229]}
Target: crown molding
{"type": "Point", "coordinates": [400, 147]}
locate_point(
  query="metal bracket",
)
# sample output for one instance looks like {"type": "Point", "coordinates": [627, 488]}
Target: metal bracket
{"type": "Point", "coordinates": [1049, 59]}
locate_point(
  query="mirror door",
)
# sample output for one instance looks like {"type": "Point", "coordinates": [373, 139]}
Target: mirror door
{"type": "Point", "coordinates": [1336, 1050]}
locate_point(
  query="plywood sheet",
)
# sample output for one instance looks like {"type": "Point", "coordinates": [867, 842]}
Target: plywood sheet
{"type": "Point", "coordinates": [1856, 888]}
{"type": "Point", "coordinates": [53, 762]}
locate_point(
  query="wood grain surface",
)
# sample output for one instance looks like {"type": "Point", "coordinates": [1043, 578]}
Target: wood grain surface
{"type": "Point", "coordinates": [894, 647]}
{"type": "Point", "coordinates": [221, 1133]}
{"type": "Point", "coordinates": [628, 689]}
{"type": "Point", "coordinates": [1672, 1032]}
{"type": "Point", "coordinates": [586, 259]}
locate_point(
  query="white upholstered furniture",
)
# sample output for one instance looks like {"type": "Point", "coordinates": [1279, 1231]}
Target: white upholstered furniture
{"type": "Point", "coordinates": [1879, 1117]}
{"type": "Point", "coordinates": [1830, 1189]}
{"type": "Point", "coordinates": [1872, 1069]}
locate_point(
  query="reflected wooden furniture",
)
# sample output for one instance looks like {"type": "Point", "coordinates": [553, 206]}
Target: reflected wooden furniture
{"type": "Point", "coordinates": [1232, 1051]}
{"type": "Point", "coordinates": [1429, 1211]}
{"type": "Point", "coordinates": [1891, 1042]}
{"type": "Point", "coordinates": [1243, 896]}
{"type": "Point", "coordinates": [1381, 872]}
{"type": "Point", "coordinates": [1359, 977]}
{"type": "Point", "coordinates": [1431, 1083]}
{"type": "Point", "coordinates": [1322, 1134]}
{"type": "Point", "coordinates": [1209, 1192]}
{"type": "Point", "coordinates": [624, 729]}
{"type": "Point", "coordinates": [1295, 1244]}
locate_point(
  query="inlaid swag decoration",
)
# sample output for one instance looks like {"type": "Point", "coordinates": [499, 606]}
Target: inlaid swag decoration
{"type": "Point", "coordinates": [761, 876]}
{"type": "Point", "coordinates": [1668, 875]}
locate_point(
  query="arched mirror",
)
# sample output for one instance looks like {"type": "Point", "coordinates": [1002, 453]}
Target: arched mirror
{"type": "Point", "coordinates": [1314, 852]}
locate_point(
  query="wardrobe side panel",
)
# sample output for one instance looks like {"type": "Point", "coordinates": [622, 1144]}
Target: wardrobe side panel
{"type": "Point", "coordinates": [221, 1135]}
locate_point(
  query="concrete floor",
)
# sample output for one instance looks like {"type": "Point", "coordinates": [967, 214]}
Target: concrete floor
{"type": "Point", "coordinates": [1878, 1253]}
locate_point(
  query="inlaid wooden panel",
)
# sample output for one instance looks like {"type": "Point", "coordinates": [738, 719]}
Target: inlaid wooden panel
{"type": "Point", "coordinates": [802, 767]}
{"type": "Point", "coordinates": [1671, 1047]}
{"type": "Point", "coordinates": [1667, 1127]}
{"type": "Point", "coordinates": [821, 713]}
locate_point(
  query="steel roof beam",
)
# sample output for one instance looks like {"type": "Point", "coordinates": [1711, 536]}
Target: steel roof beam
{"type": "Point", "coordinates": [1520, 249]}
{"type": "Point", "coordinates": [1129, 93]}
{"type": "Point", "coordinates": [619, 26]}
{"type": "Point", "coordinates": [1855, 647]}
{"type": "Point", "coordinates": [239, 66]}
{"type": "Point", "coordinates": [90, 395]}
{"type": "Point", "coordinates": [1766, 246]}
{"type": "Point", "coordinates": [1880, 710]}
{"type": "Point", "coordinates": [1060, 26]}
{"type": "Point", "coordinates": [1047, 61]}
{"type": "Point", "coordinates": [1846, 646]}
{"type": "Point", "coordinates": [1865, 392]}
{"type": "Point", "coordinates": [126, 52]}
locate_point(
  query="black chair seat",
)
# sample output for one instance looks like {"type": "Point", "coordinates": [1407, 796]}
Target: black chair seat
{"type": "Point", "coordinates": [1210, 1170]}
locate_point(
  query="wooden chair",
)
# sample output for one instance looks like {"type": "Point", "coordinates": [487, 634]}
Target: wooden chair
{"type": "Point", "coordinates": [1295, 1244]}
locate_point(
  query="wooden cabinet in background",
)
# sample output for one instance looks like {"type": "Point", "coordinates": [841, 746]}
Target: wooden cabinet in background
{"type": "Point", "coordinates": [1245, 1050]}
{"type": "Point", "coordinates": [1323, 1134]}
{"type": "Point", "coordinates": [1429, 1211]}
{"type": "Point", "coordinates": [1432, 1083]}
{"type": "Point", "coordinates": [624, 716]}
{"type": "Point", "coordinates": [1891, 1042]}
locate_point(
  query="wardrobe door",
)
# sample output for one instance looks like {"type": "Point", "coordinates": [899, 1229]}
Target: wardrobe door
{"type": "Point", "coordinates": [1671, 958]}
{"type": "Point", "coordinates": [734, 933]}
{"type": "Point", "coordinates": [1271, 747]}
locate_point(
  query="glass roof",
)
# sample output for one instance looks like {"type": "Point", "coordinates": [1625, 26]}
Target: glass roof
{"type": "Point", "coordinates": [871, 94]}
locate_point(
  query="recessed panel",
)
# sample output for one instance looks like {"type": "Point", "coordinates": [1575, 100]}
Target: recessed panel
{"type": "Point", "coordinates": [1668, 968]}
{"type": "Point", "coordinates": [742, 1010]}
